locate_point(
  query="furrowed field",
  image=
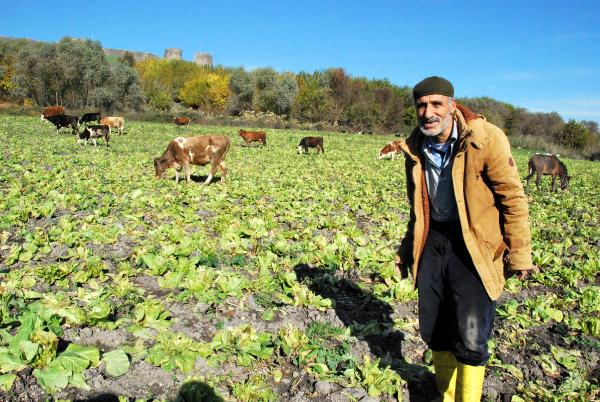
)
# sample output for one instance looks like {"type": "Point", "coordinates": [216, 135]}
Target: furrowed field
{"type": "Point", "coordinates": [276, 285]}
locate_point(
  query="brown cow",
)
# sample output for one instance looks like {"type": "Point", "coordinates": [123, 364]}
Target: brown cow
{"type": "Point", "coordinates": [201, 150]}
{"type": "Point", "coordinates": [547, 164]}
{"type": "Point", "coordinates": [52, 111]}
{"type": "Point", "coordinates": [114, 122]}
{"type": "Point", "coordinates": [182, 121]}
{"type": "Point", "coordinates": [310, 142]}
{"type": "Point", "coordinates": [252, 136]}
{"type": "Point", "coordinates": [390, 150]}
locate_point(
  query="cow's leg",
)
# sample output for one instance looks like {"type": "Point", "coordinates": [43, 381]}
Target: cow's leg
{"type": "Point", "coordinates": [188, 172]}
{"type": "Point", "coordinates": [177, 170]}
{"type": "Point", "coordinates": [211, 174]}
{"type": "Point", "coordinates": [553, 183]}
{"type": "Point", "coordinates": [223, 170]}
{"type": "Point", "coordinates": [537, 180]}
{"type": "Point", "coordinates": [95, 142]}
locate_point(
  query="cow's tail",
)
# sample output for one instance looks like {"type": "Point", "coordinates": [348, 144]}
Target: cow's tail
{"type": "Point", "coordinates": [531, 166]}
{"type": "Point", "coordinates": [226, 148]}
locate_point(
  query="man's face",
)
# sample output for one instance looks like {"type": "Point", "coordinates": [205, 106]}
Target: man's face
{"type": "Point", "coordinates": [434, 114]}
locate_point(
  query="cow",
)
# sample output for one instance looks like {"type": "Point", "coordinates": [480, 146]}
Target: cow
{"type": "Point", "coordinates": [64, 120]}
{"type": "Point", "coordinates": [252, 136]}
{"type": "Point", "coordinates": [182, 121]}
{"type": "Point", "coordinates": [390, 150]}
{"type": "Point", "coordinates": [310, 142]}
{"type": "Point", "coordinates": [92, 132]}
{"type": "Point", "coordinates": [114, 122]}
{"type": "Point", "coordinates": [201, 150]}
{"type": "Point", "coordinates": [89, 117]}
{"type": "Point", "coordinates": [548, 164]}
{"type": "Point", "coordinates": [51, 111]}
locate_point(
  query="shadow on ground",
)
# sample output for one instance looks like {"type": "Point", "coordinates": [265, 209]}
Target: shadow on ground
{"type": "Point", "coordinates": [358, 309]}
{"type": "Point", "coordinates": [192, 391]}
{"type": "Point", "coordinates": [198, 178]}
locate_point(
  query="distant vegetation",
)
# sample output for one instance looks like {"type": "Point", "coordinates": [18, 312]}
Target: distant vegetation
{"type": "Point", "coordinates": [77, 74]}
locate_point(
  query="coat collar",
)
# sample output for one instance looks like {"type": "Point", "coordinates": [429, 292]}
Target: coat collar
{"type": "Point", "coordinates": [470, 131]}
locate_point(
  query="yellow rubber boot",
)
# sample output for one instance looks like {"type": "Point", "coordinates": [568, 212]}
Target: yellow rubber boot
{"type": "Point", "coordinates": [469, 383]}
{"type": "Point", "coordinates": [445, 365]}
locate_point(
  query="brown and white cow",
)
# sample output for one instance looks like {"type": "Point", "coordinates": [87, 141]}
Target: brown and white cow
{"type": "Point", "coordinates": [390, 150]}
{"type": "Point", "coordinates": [310, 142]}
{"type": "Point", "coordinates": [252, 136]}
{"type": "Point", "coordinates": [548, 164]}
{"type": "Point", "coordinates": [114, 122]}
{"type": "Point", "coordinates": [182, 121]}
{"type": "Point", "coordinates": [51, 111]}
{"type": "Point", "coordinates": [201, 150]}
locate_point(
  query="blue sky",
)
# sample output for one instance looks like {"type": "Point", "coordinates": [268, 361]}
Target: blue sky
{"type": "Point", "coordinates": [541, 55]}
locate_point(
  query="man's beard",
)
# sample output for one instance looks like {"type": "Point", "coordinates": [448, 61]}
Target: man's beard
{"type": "Point", "coordinates": [443, 127]}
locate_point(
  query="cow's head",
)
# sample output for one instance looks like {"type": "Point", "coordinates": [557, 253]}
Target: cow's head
{"type": "Point", "coordinates": [564, 176]}
{"type": "Point", "coordinates": [564, 181]}
{"type": "Point", "coordinates": [159, 167]}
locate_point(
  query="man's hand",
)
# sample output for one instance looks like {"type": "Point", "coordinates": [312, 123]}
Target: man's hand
{"type": "Point", "coordinates": [401, 268]}
{"type": "Point", "coordinates": [522, 274]}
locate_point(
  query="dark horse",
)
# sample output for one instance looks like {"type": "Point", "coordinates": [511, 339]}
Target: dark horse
{"type": "Point", "coordinates": [546, 164]}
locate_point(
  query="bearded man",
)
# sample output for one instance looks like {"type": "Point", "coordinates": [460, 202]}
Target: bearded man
{"type": "Point", "coordinates": [468, 223]}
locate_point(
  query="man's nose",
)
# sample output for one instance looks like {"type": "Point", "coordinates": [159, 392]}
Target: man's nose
{"type": "Point", "coordinates": [428, 112]}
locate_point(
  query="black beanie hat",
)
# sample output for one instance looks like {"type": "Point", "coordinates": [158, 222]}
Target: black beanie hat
{"type": "Point", "coordinates": [433, 86]}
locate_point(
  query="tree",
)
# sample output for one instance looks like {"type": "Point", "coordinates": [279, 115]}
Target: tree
{"type": "Point", "coordinates": [124, 83]}
{"type": "Point", "coordinates": [313, 102]}
{"type": "Point", "coordinates": [592, 127]}
{"type": "Point", "coordinates": [206, 91]}
{"type": "Point", "coordinates": [342, 92]}
{"type": "Point", "coordinates": [285, 92]}
{"type": "Point", "coordinates": [573, 135]}
{"type": "Point", "coordinates": [241, 91]}
{"type": "Point", "coordinates": [409, 118]}
{"type": "Point", "coordinates": [273, 92]}
{"type": "Point", "coordinates": [128, 59]}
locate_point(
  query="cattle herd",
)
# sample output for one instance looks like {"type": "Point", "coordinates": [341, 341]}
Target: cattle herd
{"type": "Point", "coordinates": [57, 116]}
{"type": "Point", "coordinates": [211, 149]}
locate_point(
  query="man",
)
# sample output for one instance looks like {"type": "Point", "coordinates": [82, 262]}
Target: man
{"type": "Point", "coordinates": [468, 221]}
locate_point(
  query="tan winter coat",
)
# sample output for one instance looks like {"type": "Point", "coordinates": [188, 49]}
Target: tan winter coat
{"type": "Point", "coordinates": [491, 203]}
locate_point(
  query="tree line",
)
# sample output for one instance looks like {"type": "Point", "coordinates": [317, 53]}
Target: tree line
{"type": "Point", "coordinates": [78, 75]}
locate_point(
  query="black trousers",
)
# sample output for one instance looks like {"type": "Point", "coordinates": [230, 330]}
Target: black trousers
{"type": "Point", "coordinates": [455, 312]}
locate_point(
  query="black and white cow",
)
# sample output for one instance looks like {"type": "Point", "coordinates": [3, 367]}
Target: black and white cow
{"type": "Point", "coordinates": [94, 132]}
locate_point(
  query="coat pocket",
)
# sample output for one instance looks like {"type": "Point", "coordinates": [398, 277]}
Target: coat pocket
{"type": "Point", "coordinates": [496, 253]}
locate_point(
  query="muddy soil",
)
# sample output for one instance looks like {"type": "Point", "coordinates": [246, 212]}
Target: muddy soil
{"type": "Point", "coordinates": [355, 306]}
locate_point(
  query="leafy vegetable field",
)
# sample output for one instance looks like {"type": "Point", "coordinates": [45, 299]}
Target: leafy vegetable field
{"type": "Point", "coordinates": [276, 285]}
